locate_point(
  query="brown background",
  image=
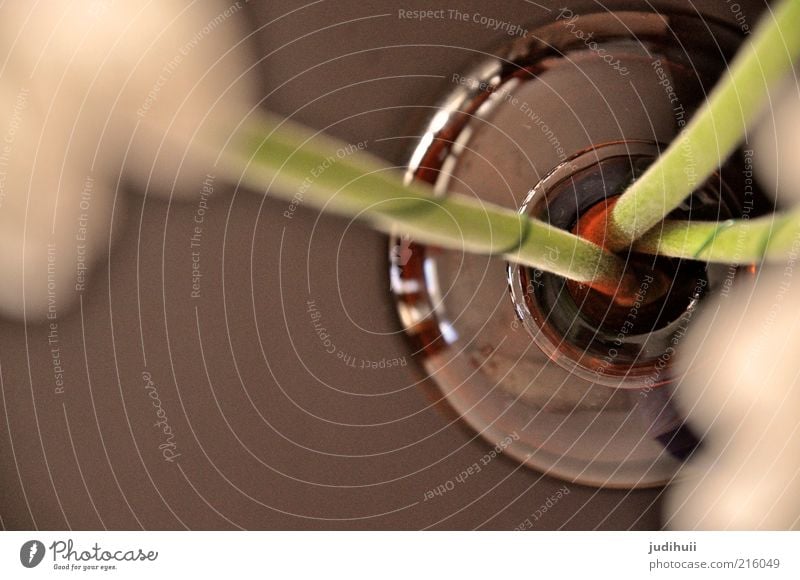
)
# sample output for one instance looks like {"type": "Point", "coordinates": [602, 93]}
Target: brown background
{"type": "Point", "coordinates": [273, 432]}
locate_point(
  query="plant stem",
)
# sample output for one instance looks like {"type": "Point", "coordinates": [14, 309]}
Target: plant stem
{"type": "Point", "coordinates": [297, 164]}
{"type": "Point", "coordinates": [715, 130]}
{"type": "Point", "coordinates": [770, 238]}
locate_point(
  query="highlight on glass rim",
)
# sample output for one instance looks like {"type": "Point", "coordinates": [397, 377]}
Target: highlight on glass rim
{"type": "Point", "coordinates": [341, 266]}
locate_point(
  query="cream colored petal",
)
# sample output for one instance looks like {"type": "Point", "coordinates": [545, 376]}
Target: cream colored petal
{"type": "Point", "coordinates": [118, 64]}
{"type": "Point", "coordinates": [55, 209]}
{"type": "Point", "coordinates": [742, 390]}
{"type": "Point", "coordinates": [776, 144]}
{"type": "Point", "coordinates": [92, 91]}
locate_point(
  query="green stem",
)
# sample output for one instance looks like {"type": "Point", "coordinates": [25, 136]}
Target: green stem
{"type": "Point", "coordinates": [304, 167]}
{"type": "Point", "coordinates": [715, 130]}
{"type": "Point", "coordinates": [771, 238]}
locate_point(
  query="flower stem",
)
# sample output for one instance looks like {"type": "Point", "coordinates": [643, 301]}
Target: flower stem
{"type": "Point", "coordinates": [770, 238]}
{"type": "Point", "coordinates": [715, 130]}
{"type": "Point", "coordinates": [306, 167]}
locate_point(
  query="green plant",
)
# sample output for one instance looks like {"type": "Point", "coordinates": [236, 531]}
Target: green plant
{"type": "Point", "coordinates": [713, 133]}
{"type": "Point", "coordinates": [289, 158]}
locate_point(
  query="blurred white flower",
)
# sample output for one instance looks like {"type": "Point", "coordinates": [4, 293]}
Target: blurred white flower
{"type": "Point", "coordinates": [742, 385]}
{"type": "Point", "coordinates": [776, 144]}
{"type": "Point", "coordinates": [91, 90]}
